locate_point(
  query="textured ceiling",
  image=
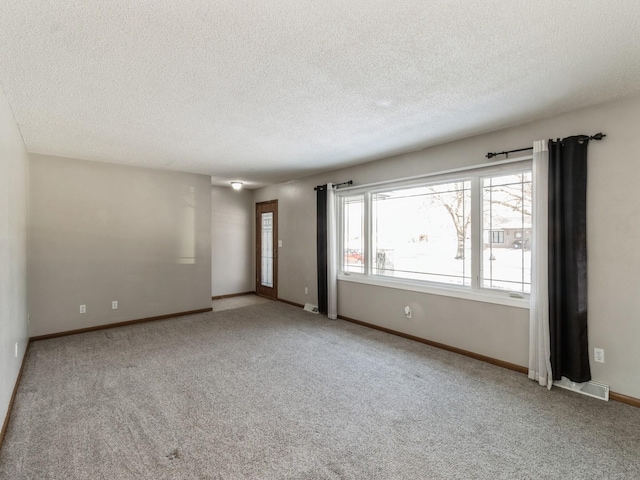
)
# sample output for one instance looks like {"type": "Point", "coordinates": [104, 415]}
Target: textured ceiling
{"type": "Point", "coordinates": [269, 90]}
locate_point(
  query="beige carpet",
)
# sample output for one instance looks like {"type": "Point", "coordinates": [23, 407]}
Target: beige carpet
{"type": "Point", "coordinates": [240, 301]}
{"type": "Point", "coordinates": [273, 392]}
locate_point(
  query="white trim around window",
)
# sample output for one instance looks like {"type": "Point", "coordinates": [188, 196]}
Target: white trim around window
{"type": "Point", "coordinates": [432, 289]}
{"type": "Point", "coordinates": [361, 251]}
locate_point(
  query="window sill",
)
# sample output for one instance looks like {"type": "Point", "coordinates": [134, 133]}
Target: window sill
{"type": "Point", "coordinates": [467, 294]}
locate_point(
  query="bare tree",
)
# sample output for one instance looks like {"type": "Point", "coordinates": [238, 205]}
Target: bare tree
{"type": "Point", "coordinates": [515, 196]}
{"type": "Point", "coordinates": [453, 201]}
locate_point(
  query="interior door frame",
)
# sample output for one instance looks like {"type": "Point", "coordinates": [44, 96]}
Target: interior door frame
{"type": "Point", "coordinates": [260, 289]}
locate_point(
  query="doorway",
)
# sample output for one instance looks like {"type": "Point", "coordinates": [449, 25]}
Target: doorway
{"type": "Point", "coordinates": [267, 249]}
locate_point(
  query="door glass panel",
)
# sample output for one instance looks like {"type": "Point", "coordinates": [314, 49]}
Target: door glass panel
{"type": "Point", "coordinates": [267, 250]}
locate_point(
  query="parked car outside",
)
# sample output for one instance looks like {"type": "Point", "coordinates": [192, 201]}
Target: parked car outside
{"type": "Point", "coordinates": [352, 256]}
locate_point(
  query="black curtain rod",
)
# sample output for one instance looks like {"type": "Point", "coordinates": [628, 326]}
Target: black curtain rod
{"type": "Point", "coordinates": [597, 136]}
{"type": "Point", "coordinates": [322, 187]}
{"type": "Point", "coordinates": [491, 155]}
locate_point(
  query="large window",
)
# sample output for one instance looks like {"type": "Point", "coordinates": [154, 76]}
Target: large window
{"type": "Point", "coordinates": [353, 234]}
{"type": "Point", "coordinates": [423, 233]}
{"type": "Point", "coordinates": [469, 232]}
{"type": "Point", "coordinates": [506, 225]}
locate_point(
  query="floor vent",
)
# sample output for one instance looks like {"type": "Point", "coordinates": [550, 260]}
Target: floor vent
{"type": "Point", "coordinates": [310, 308]}
{"type": "Point", "coordinates": [592, 389]}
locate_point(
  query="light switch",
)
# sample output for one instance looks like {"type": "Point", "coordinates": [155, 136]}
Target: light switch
{"type": "Point", "coordinates": [279, 243]}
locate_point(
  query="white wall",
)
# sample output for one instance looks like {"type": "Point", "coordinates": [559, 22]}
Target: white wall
{"type": "Point", "coordinates": [499, 331]}
{"type": "Point", "coordinates": [13, 252]}
{"type": "Point", "coordinates": [232, 241]}
{"type": "Point", "coordinates": [101, 232]}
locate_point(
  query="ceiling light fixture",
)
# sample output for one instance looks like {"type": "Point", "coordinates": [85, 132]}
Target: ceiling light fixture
{"type": "Point", "coordinates": [236, 185]}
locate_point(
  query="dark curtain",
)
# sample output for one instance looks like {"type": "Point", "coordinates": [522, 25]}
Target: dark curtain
{"type": "Point", "coordinates": [568, 258]}
{"type": "Point", "coordinates": [321, 232]}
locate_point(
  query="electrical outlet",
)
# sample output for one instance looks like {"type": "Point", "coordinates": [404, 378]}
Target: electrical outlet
{"type": "Point", "coordinates": [306, 291]}
{"type": "Point", "coordinates": [83, 309]}
{"type": "Point", "coordinates": [598, 355]}
{"type": "Point", "coordinates": [114, 305]}
{"type": "Point", "coordinates": [16, 350]}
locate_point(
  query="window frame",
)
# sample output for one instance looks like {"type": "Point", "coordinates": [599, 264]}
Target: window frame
{"type": "Point", "coordinates": [475, 291]}
{"type": "Point", "coordinates": [341, 244]}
